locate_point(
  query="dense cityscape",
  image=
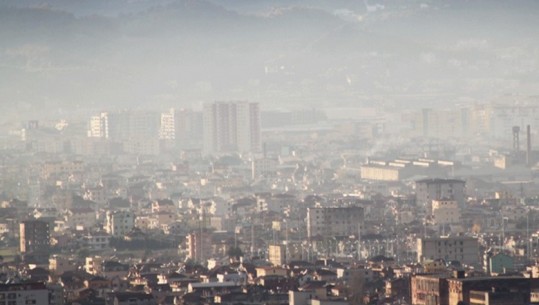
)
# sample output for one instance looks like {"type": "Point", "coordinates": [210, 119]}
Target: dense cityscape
{"type": "Point", "coordinates": [233, 152]}
{"type": "Point", "coordinates": [231, 204]}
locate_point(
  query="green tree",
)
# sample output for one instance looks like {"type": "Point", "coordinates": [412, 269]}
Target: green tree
{"type": "Point", "coordinates": [235, 252]}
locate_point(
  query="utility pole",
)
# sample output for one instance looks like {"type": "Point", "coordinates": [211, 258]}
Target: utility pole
{"type": "Point", "coordinates": [528, 249]}
{"type": "Point", "coordinates": [286, 236]}
{"type": "Point", "coordinates": [359, 241]}
{"type": "Point", "coordinates": [252, 238]}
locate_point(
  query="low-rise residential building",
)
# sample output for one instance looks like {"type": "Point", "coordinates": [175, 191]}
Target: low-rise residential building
{"type": "Point", "coordinates": [60, 264]}
{"type": "Point", "coordinates": [24, 293]}
{"type": "Point", "coordinates": [130, 298]}
{"type": "Point", "coordinates": [97, 240]}
{"type": "Point", "coordinates": [119, 223]}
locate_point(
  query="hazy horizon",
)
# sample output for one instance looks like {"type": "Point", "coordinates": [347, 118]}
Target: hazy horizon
{"type": "Point", "coordinates": [61, 57]}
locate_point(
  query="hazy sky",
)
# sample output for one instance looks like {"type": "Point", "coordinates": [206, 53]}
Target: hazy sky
{"type": "Point", "coordinates": [63, 56]}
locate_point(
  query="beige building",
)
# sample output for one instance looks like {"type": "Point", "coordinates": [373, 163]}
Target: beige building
{"type": "Point", "coordinates": [266, 271]}
{"type": "Point", "coordinates": [445, 212]}
{"type": "Point", "coordinates": [61, 168]}
{"type": "Point", "coordinates": [428, 289]}
{"type": "Point", "coordinates": [163, 205]}
{"type": "Point", "coordinates": [277, 255]}
{"type": "Point", "coordinates": [383, 172]}
{"type": "Point", "coordinates": [93, 264]}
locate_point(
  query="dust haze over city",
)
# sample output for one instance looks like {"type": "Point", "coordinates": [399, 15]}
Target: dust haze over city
{"type": "Point", "coordinates": [304, 152]}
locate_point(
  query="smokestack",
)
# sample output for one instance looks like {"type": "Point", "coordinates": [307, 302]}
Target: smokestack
{"type": "Point", "coordinates": [516, 139]}
{"type": "Point", "coordinates": [528, 145]}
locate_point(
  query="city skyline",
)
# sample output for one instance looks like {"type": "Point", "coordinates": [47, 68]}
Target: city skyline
{"type": "Point", "coordinates": [269, 152]}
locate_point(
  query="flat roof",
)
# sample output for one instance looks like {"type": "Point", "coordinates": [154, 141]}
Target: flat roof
{"type": "Point", "coordinates": [489, 278]}
{"type": "Point", "coordinates": [439, 180]}
{"type": "Point", "coordinates": [213, 284]}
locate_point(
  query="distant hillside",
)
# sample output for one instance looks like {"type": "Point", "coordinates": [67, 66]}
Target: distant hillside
{"type": "Point", "coordinates": [119, 53]}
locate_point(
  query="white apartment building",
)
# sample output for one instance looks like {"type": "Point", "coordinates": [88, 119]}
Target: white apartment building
{"type": "Point", "coordinates": [119, 223]}
{"type": "Point", "coordinates": [98, 126]}
{"type": "Point", "coordinates": [167, 130]}
{"type": "Point", "coordinates": [24, 293]}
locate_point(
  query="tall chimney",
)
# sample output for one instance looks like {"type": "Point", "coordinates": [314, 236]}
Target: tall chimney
{"type": "Point", "coordinates": [516, 138]}
{"type": "Point", "coordinates": [528, 146]}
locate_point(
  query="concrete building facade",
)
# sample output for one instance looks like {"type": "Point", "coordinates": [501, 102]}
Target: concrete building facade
{"type": "Point", "coordinates": [439, 189]}
{"type": "Point", "coordinates": [34, 236]}
{"type": "Point", "coordinates": [119, 223]}
{"type": "Point", "coordinates": [458, 248]}
{"type": "Point", "coordinates": [199, 246]}
{"type": "Point", "coordinates": [231, 127]}
{"type": "Point", "coordinates": [445, 212]}
{"type": "Point", "coordinates": [24, 293]}
{"type": "Point", "coordinates": [334, 221]}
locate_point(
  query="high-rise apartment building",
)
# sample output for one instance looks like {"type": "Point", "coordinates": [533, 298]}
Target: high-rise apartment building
{"type": "Point", "coordinates": [167, 130]}
{"type": "Point", "coordinates": [125, 125]}
{"type": "Point", "coordinates": [34, 236]}
{"type": "Point", "coordinates": [98, 126]}
{"type": "Point", "coordinates": [145, 125]}
{"type": "Point", "coordinates": [118, 125]}
{"type": "Point", "coordinates": [138, 132]}
{"type": "Point", "coordinates": [231, 126]}
{"type": "Point", "coordinates": [199, 245]}
{"type": "Point", "coordinates": [334, 221]}
{"type": "Point", "coordinates": [189, 128]}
